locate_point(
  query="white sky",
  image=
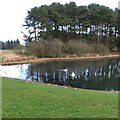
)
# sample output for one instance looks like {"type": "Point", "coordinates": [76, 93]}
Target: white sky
{"type": "Point", "coordinates": [13, 12]}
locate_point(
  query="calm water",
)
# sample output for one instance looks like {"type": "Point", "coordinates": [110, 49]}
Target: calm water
{"type": "Point", "coordinates": [98, 74]}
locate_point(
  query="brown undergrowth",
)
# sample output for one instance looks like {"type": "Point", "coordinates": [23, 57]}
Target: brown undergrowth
{"type": "Point", "coordinates": [11, 59]}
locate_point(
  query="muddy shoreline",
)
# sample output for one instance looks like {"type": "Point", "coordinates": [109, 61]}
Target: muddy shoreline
{"type": "Point", "coordinates": [43, 60]}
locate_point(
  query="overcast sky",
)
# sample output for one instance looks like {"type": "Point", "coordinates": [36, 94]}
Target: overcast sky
{"type": "Point", "coordinates": [13, 12]}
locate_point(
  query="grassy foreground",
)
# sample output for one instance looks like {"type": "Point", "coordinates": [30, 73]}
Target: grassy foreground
{"type": "Point", "coordinates": [32, 100]}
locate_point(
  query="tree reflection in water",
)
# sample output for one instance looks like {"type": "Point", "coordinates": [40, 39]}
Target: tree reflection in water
{"type": "Point", "coordinates": [97, 74]}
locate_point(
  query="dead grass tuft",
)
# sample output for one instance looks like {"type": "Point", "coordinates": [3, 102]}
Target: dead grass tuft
{"type": "Point", "coordinates": [14, 57]}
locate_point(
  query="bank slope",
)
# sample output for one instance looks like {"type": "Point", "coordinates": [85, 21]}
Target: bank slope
{"type": "Point", "coordinates": [31, 100]}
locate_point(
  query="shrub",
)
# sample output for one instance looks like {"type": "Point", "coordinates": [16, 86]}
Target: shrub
{"type": "Point", "coordinates": [56, 48]}
{"type": "Point", "coordinates": [21, 50]}
{"type": "Point", "coordinates": [36, 49]}
{"type": "Point", "coordinates": [45, 48]}
{"type": "Point", "coordinates": [79, 47]}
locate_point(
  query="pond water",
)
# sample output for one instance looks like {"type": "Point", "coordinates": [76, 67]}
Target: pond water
{"type": "Point", "coordinates": [102, 74]}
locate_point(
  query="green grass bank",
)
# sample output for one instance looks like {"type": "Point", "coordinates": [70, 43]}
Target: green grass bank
{"type": "Point", "coordinates": [31, 100]}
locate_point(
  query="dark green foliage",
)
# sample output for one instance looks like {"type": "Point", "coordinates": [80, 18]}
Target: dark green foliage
{"type": "Point", "coordinates": [9, 45]}
{"type": "Point", "coordinates": [95, 23]}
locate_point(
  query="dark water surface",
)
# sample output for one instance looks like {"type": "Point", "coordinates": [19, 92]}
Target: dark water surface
{"type": "Point", "coordinates": [102, 74]}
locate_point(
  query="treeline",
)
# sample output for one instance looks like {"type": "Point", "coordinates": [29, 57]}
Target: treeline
{"type": "Point", "coordinates": [9, 45]}
{"type": "Point", "coordinates": [96, 24]}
